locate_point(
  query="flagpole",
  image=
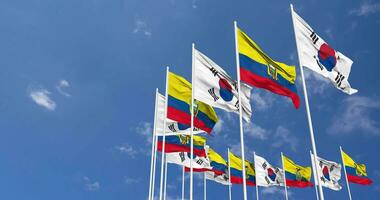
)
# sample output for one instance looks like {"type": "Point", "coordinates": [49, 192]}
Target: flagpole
{"type": "Point", "coordinates": [166, 177]}
{"type": "Point", "coordinates": [154, 166]}
{"type": "Point", "coordinates": [229, 176]}
{"type": "Point", "coordinates": [240, 113]}
{"type": "Point", "coordinates": [314, 173]}
{"type": "Point", "coordinates": [151, 185]}
{"type": "Point", "coordinates": [183, 183]}
{"type": "Point", "coordinates": [283, 168]}
{"type": "Point", "coordinates": [163, 137]}
{"type": "Point", "coordinates": [257, 187]}
{"type": "Point", "coordinates": [314, 148]}
{"type": "Point", "coordinates": [345, 173]}
{"type": "Point", "coordinates": [192, 122]}
{"type": "Point", "coordinates": [204, 186]}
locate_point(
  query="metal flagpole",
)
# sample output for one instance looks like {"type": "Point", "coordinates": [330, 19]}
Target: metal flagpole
{"type": "Point", "coordinates": [257, 187]}
{"type": "Point", "coordinates": [183, 183]}
{"type": "Point", "coordinates": [229, 176]}
{"type": "Point", "coordinates": [283, 168]}
{"type": "Point", "coordinates": [204, 186]}
{"type": "Point", "coordinates": [163, 137]}
{"type": "Point", "coordinates": [240, 113]}
{"type": "Point", "coordinates": [192, 122]}
{"type": "Point", "coordinates": [151, 184]}
{"type": "Point", "coordinates": [314, 175]}
{"type": "Point", "coordinates": [154, 167]}
{"type": "Point", "coordinates": [166, 177]}
{"type": "Point", "coordinates": [345, 173]}
{"type": "Point", "coordinates": [307, 107]}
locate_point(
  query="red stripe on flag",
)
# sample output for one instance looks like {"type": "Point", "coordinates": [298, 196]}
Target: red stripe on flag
{"type": "Point", "coordinates": [300, 184]}
{"type": "Point", "coordinates": [359, 180]}
{"type": "Point", "coordinates": [171, 148]}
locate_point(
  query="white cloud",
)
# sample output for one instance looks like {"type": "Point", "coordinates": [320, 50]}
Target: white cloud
{"type": "Point", "coordinates": [366, 8]}
{"type": "Point", "coordinates": [127, 149]}
{"type": "Point", "coordinates": [262, 100]}
{"type": "Point", "coordinates": [218, 127]}
{"type": "Point", "coordinates": [62, 84]}
{"type": "Point", "coordinates": [142, 28]}
{"type": "Point", "coordinates": [274, 191]}
{"type": "Point", "coordinates": [283, 136]}
{"type": "Point", "coordinates": [41, 97]}
{"type": "Point", "coordinates": [130, 180]}
{"type": "Point", "coordinates": [145, 129]}
{"type": "Point", "coordinates": [91, 185]}
{"type": "Point", "coordinates": [329, 33]}
{"type": "Point", "coordinates": [194, 4]}
{"type": "Point", "coordinates": [255, 131]}
{"type": "Point", "coordinates": [355, 114]}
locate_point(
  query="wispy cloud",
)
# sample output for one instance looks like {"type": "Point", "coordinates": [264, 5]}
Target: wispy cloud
{"type": "Point", "coordinates": [141, 27]}
{"type": "Point", "coordinates": [366, 8]}
{"type": "Point", "coordinates": [271, 191]}
{"type": "Point", "coordinates": [256, 131]}
{"type": "Point", "coordinates": [91, 185]}
{"type": "Point", "coordinates": [130, 180]}
{"type": "Point", "coordinates": [283, 136]}
{"type": "Point", "coordinates": [127, 149]}
{"type": "Point", "coordinates": [145, 129]}
{"type": "Point", "coordinates": [62, 85]}
{"type": "Point", "coordinates": [42, 98]}
{"type": "Point", "coordinates": [355, 114]}
{"type": "Point", "coordinates": [194, 4]}
{"type": "Point", "coordinates": [218, 126]}
{"type": "Point", "coordinates": [262, 100]}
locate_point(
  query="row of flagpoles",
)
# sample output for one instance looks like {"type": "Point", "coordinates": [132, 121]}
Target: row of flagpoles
{"type": "Point", "coordinates": [187, 108]}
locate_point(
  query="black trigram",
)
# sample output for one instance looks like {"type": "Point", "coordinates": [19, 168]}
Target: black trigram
{"type": "Point", "coordinates": [267, 180]}
{"type": "Point", "coordinates": [214, 71]}
{"type": "Point", "coordinates": [172, 128]}
{"type": "Point", "coordinates": [264, 165]}
{"type": "Point", "coordinates": [314, 37]}
{"type": "Point", "coordinates": [211, 91]}
{"type": "Point", "coordinates": [199, 162]}
{"type": "Point", "coordinates": [182, 156]}
{"type": "Point", "coordinates": [237, 105]}
{"type": "Point", "coordinates": [339, 79]}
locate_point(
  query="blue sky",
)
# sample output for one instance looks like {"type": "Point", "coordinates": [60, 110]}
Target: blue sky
{"type": "Point", "coordinates": [78, 78]}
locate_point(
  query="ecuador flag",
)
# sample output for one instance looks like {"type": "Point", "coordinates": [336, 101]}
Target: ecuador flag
{"type": "Point", "coordinates": [356, 173]}
{"type": "Point", "coordinates": [181, 143]}
{"type": "Point", "coordinates": [179, 101]}
{"type": "Point", "coordinates": [217, 163]}
{"type": "Point", "coordinates": [236, 171]}
{"type": "Point", "coordinates": [259, 70]}
{"type": "Point", "coordinates": [296, 175]}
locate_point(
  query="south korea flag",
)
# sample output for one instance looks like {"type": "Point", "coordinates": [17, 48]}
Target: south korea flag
{"type": "Point", "coordinates": [266, 174]}
{"type": "Point", "coordinates": [315, 54]}
{"type": "Point", "coordinates": [329, 173]}
{"type": "Point", "coordinates": [213, 86]}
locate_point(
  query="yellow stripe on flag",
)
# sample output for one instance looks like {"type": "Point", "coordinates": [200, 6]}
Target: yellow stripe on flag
{"type": "Point", "coordinates": [236, 163]}
{"type": "Point", "coordinates": [250, 49]}
{"type": "Point", "coordinates": [349, 162]}
{"type": "Point", "coordinates": [213, 156]}
{"type": "Point", "coordinates": [295, 169]}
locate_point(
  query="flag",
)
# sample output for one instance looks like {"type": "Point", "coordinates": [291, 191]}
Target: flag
{"type": "Point", "coordinates": [296, 175]}
{"type": "Point", "coordinates": [181, 143]}
{"type": "Point", "coordinates": [356, 173]}
{"type": "Point", "coordinates": [172, 127]}
{"type": "Point", "coordinates": [266, 174]}
{"type": "Point", "coordinates": [184, 159]}
{"type": "Point", "coordinates": [216, 88]}
{"type": "Point", "coordinates": [179, 109]}
{"type": "Point", "coordinates": [315, 54]}
{"type": "Point", "coordinates": [259, 70]}
{"type": "Point", "coordinates": [329, 173]}
{"type": "Point", "coordinates": [237, 171]}
{"type": "Point", "coordinates": [219, 171]}
{"type": "Point", "coordinates": [219, 168]}
{"type": "Point", "coordinates": [219, 178]}
{"type": "Point", "coordinates": [217, 163]}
